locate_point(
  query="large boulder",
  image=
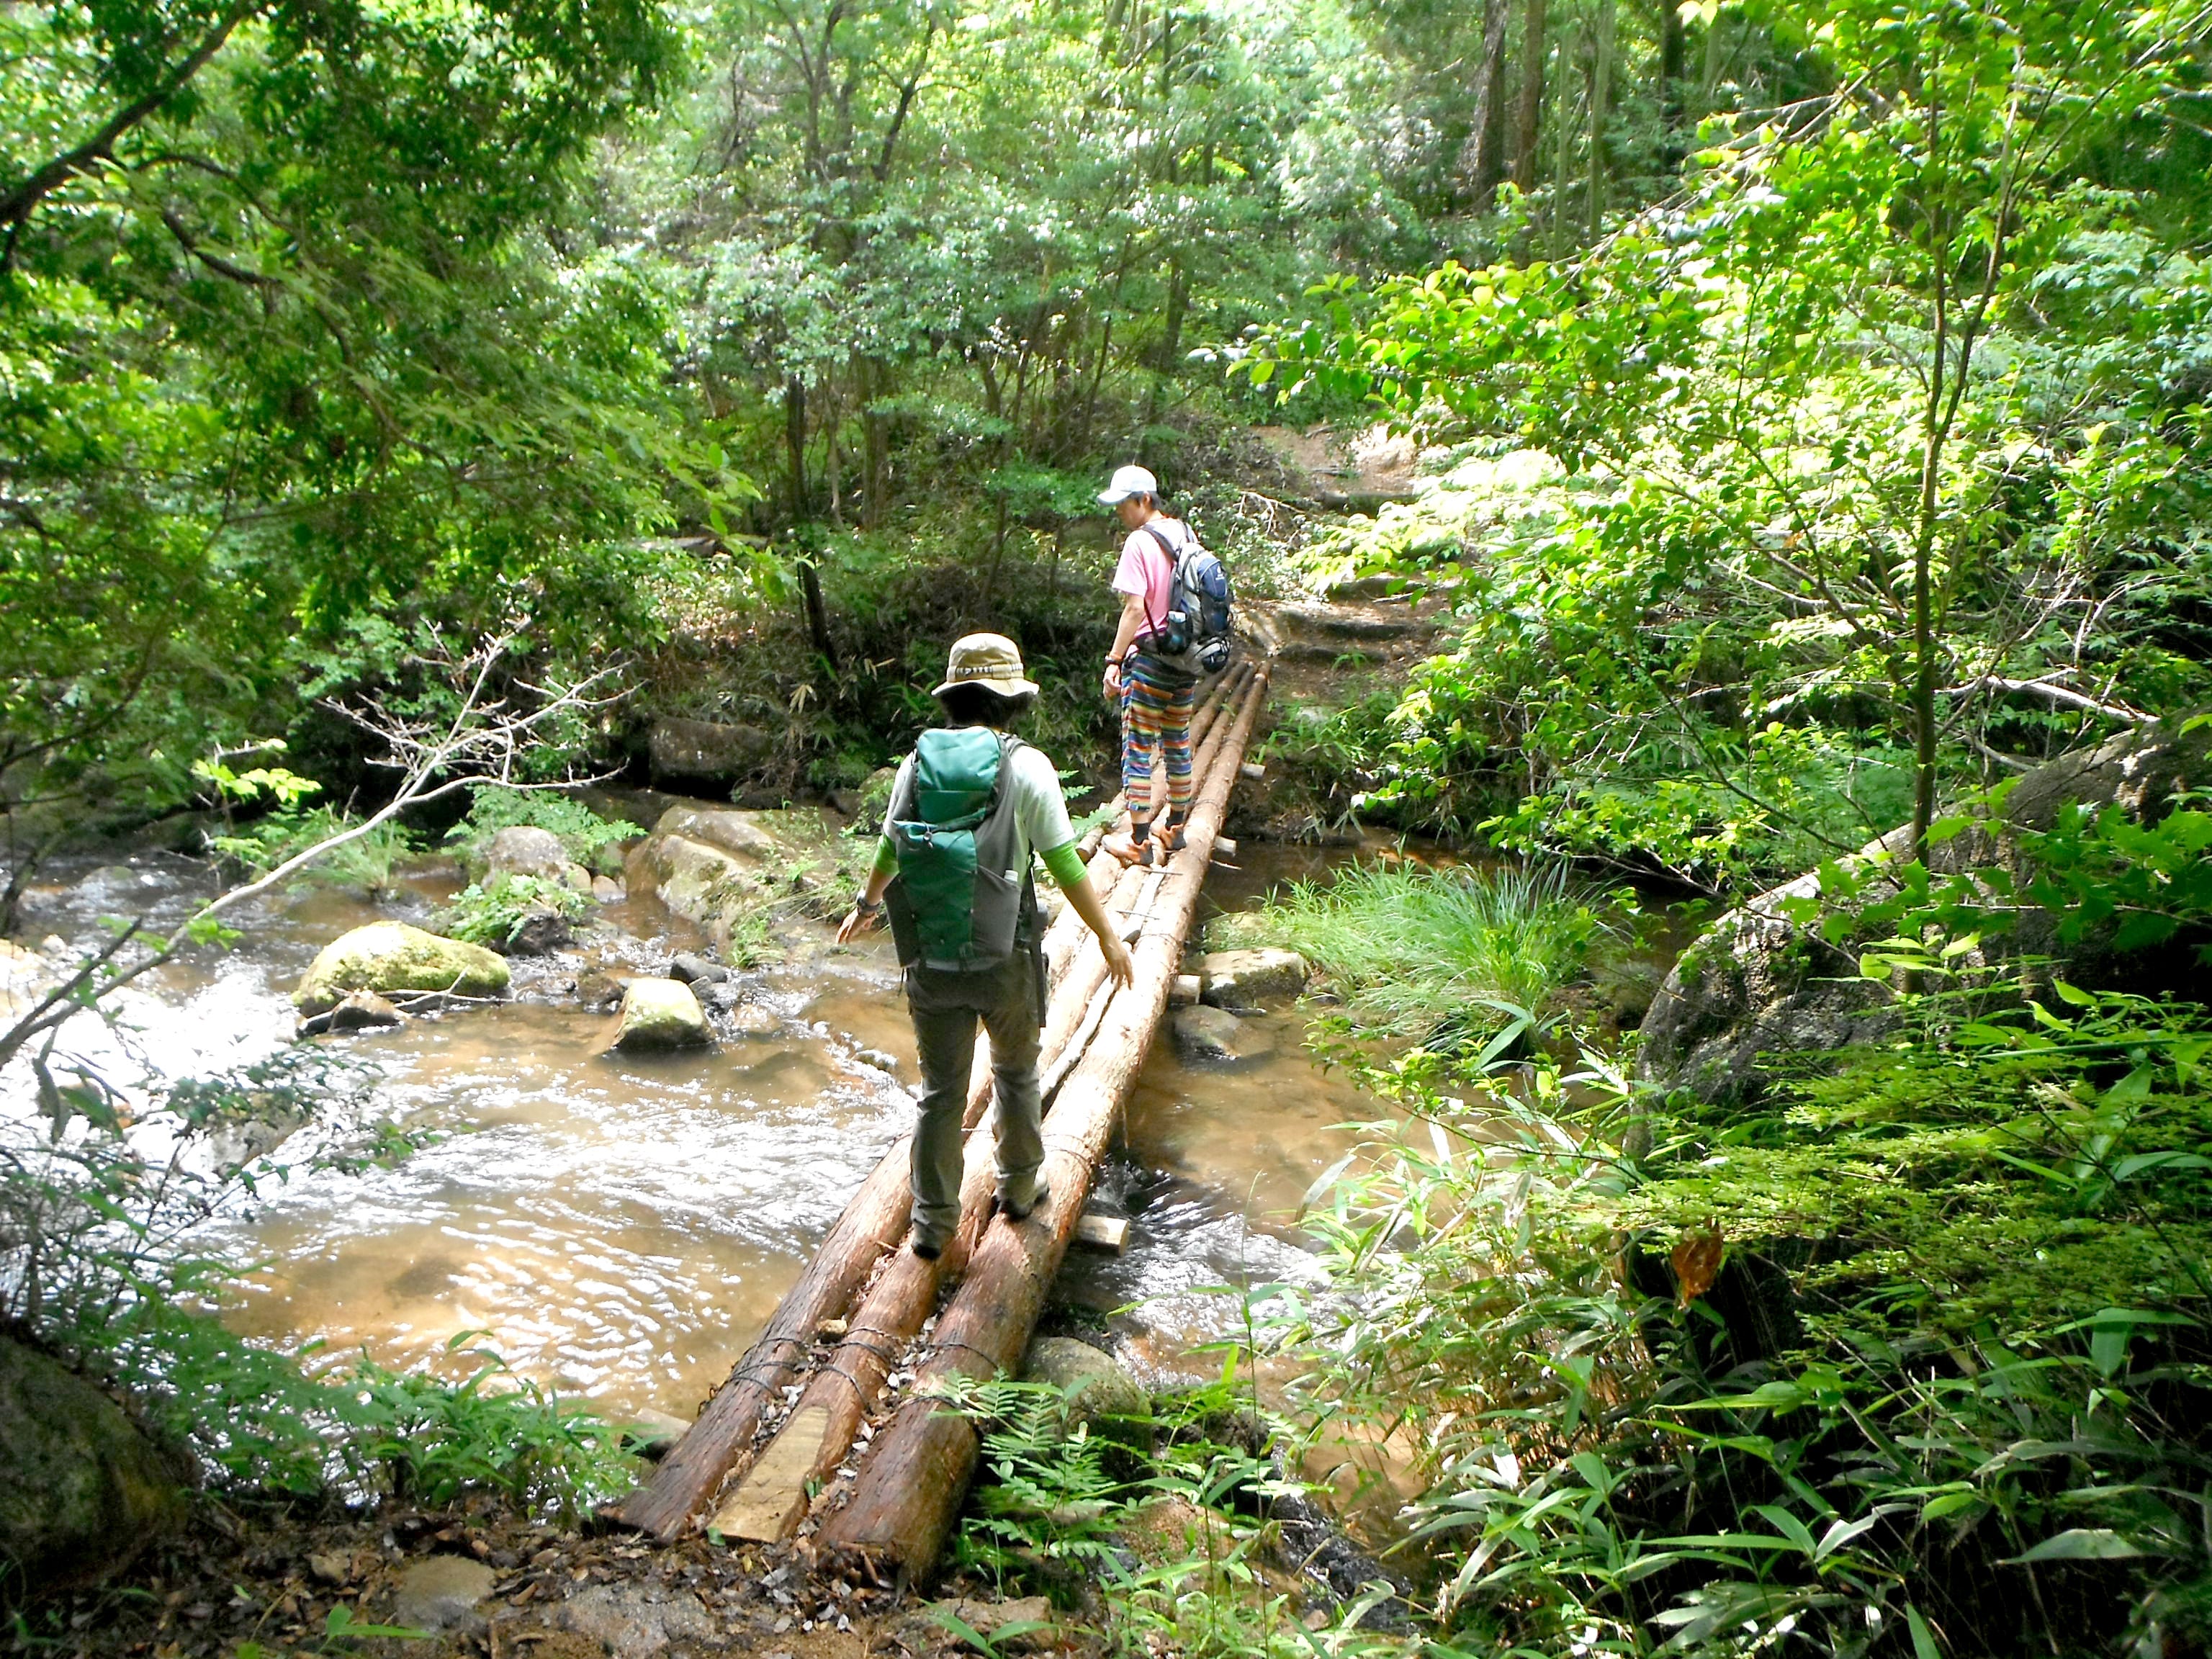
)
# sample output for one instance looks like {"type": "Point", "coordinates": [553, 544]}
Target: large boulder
{"type": "Point", "coordinates": [709, 750]}
{"type": "Point", "coordinates": [522, 849]}
{"type": "Point", "coordinates": [1099, 1396]}
{"type": "Point", "coordinates": [1240, 979]}
{"type": "Point", "coordinates": [391, 958]}
{"type": "Point", "coordinates": [714, 866]}
{"type": "Point", "coordinates": [1759, 984]}
{"type": "Point", "coordinates": [86, 1489]}
{"type": "Point", "coordinates": [660, 1014]}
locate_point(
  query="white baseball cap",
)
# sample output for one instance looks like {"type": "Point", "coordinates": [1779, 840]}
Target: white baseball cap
{"type": "Point", "coordinates": [1128, 481]}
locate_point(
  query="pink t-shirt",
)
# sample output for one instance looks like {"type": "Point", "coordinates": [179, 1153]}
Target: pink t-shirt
{"type": "Point", "coordinates": [1147, 571]}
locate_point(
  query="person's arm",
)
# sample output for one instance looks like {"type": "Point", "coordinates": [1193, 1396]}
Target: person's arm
{"type": "Point", "coordinates": [1133, 617]}
{"type": "Point", "coordinates": [1066, 866]}
{"type": "Point", "coordinates": [870, 904]}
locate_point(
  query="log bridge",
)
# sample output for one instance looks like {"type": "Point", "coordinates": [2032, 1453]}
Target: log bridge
{"type": "Point", "coordinates": [773, 1444]}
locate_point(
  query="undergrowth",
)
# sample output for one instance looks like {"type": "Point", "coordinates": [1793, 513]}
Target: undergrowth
{"type": "Point", "coordinates": [1169, 1550]}
{"type": "Point", "coordinates": [1908, 1357]}
{"type": "Point", "coordinates": [1437, 952]}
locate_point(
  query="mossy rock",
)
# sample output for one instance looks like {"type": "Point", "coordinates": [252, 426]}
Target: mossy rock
{"type": "Point", "coordinates": [391, 958]}
{"type": "Point", "coordinates": [658, 1014]}
{"type": "Point", "coordinates": [87, 1489]}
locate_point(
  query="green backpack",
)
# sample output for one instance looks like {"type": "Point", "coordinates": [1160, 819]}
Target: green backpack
{"type": "Point", "coordinates": [963, 897]}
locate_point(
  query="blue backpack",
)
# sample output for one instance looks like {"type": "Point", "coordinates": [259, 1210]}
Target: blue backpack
{"type": "Point", "coordinates": [1194, 639]}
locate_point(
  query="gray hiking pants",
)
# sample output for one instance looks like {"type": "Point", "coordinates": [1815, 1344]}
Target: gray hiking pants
{"type": "Point", "coordinates": [947, 1006]}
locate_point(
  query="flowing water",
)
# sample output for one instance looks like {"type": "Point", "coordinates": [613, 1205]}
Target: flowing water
{"type": "Point", "coordinates": [621, 1227]}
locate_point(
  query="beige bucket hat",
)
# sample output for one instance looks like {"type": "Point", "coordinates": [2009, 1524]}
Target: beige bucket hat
{"type": "Point", "coordinates": [990, 660]}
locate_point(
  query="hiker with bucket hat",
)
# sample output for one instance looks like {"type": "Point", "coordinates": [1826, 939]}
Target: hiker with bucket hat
{"type": "Point", "coordinates": [1155, 698]}
{"type": "Point", "coordinates": [967, 808]}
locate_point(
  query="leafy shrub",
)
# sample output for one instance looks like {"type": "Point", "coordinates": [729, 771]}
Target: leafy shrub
{"type": "Point", "coordinates": [1910, 1358]}
{"type": "Point", "coordinates": [493, 807]}
{"type": "Point", "coordinates": [490, 912]}
{"type": "Point", "coordinates": [1415, 950]}
{"type": "Point", "coordinates": [429, 1441]}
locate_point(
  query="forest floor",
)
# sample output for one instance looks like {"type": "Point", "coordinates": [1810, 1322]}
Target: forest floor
{"type": "Point", "coordinates": [485, 1578]}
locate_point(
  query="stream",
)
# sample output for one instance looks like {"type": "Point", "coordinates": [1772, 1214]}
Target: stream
{"type": "Point", "coordinates": [620, 1227]}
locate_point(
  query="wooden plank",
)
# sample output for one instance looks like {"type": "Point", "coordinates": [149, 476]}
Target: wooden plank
{"type": "Point", "coordinates": [903, 1506]}
{"type": "Point", "coordinates": [761, 1511]}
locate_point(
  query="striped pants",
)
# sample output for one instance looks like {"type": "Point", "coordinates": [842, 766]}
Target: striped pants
{"type": "Point", "coordinates": [1156, 710]}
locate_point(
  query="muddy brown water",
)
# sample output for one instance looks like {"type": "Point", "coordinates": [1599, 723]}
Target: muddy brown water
{"type": "Point", "coordinates": [620, 1228]}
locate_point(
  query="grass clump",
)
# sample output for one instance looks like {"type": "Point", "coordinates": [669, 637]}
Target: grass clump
{"type": "Point", "coordinates": [1414, 950]}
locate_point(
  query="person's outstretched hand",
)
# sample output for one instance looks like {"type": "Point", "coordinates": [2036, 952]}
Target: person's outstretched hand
{"type": "Point", "coordinates": [850, 925]}
{"type": "Point", "coordinates": [1120, 966]}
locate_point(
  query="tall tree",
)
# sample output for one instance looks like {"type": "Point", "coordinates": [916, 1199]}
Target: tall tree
{"type": "Point", "coordinates": [1528, 112]}
{"type": "Point", "coordinates": [1486, 143]}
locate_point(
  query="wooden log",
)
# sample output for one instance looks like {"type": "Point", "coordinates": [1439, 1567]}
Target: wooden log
{"type": "Point", "coordinates": [768, 1497]}
{"type": "Point", "coordinates": [903, 1506]}
{"type": "Point", "coordinates": [1109, 1233]}
{"type": "Point", "coordinates": [721, 1440]}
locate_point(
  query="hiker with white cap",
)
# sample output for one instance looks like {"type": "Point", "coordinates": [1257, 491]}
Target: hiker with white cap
{"type": "Point", "coordinates": [970, 805]}
{"type": "Point", "coordinates": [1155, 696]}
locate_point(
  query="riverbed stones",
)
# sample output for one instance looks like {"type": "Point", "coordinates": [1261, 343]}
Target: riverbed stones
{"type": "Point", "coordinates": [1096, 1384]}
{"type": "Point", "coordinates": [1215, 1035]}
{"type": "Point", "coordinates": [391, 957]}
{"type": "Point", "coordinates": [538, 932]}
{"type": "Point", "coordinates": [86, 1489]}
{"type": "Point", "coordinates": [605, 889]}
{"type": "Point", "coordinates": [1240, 979]}
{"type": "Point", "coordinates": [443, 1595]}
{"type": "Point", "coordinates": [658, 1015]}
{"type": "Point", "coordinates": [696, 970]}
{"type": "Point", "coordinates": [522, 849]}
{"type": "Point", "coordinates": [363, 1010]}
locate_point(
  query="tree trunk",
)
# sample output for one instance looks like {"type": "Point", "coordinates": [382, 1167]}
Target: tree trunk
{"type": "Point", "coordinates": [818, 614]}
{"type": "Point", "coordinates": [1670, 83]}
{"type": "Point", "coordinates": [1528, 115]}
{"type": "Point", "coordinates": [1601, 94]}
{"type": "Point", "coordinates": [794, 442]}
{"type": "Point", "coordinates": [1564, 134]}
{"type": "Point", "coordinates": [1485, 145]}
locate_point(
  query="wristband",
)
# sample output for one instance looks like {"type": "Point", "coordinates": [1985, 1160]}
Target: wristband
{"type": "Point", "coordinates": [863, 905]}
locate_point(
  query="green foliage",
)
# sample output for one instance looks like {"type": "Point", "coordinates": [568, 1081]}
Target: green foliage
{"type": "Point", "coordinates": [1846, 456]}
{"type": "Point", "coordinates": [587, 835]}
{"type": "Point", "coordinates": [1052, 1518]}
{"type": "Point", "coordinates": [368, 863]}
{"type": "Point", "coordinates": [1437, 951]}
{"type": "Point", "coordinates": [492, 912]}
{"type": "Point", "coordinates": [1931, 1331]}
{"type": "Point", "coordinates": [430, 1441]}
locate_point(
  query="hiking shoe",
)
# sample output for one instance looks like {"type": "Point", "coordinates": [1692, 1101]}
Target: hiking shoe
{"type": "Point", "coordinates": [927, 1249]}
{"type": "Point", "coordinates": [1013, 1212]}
